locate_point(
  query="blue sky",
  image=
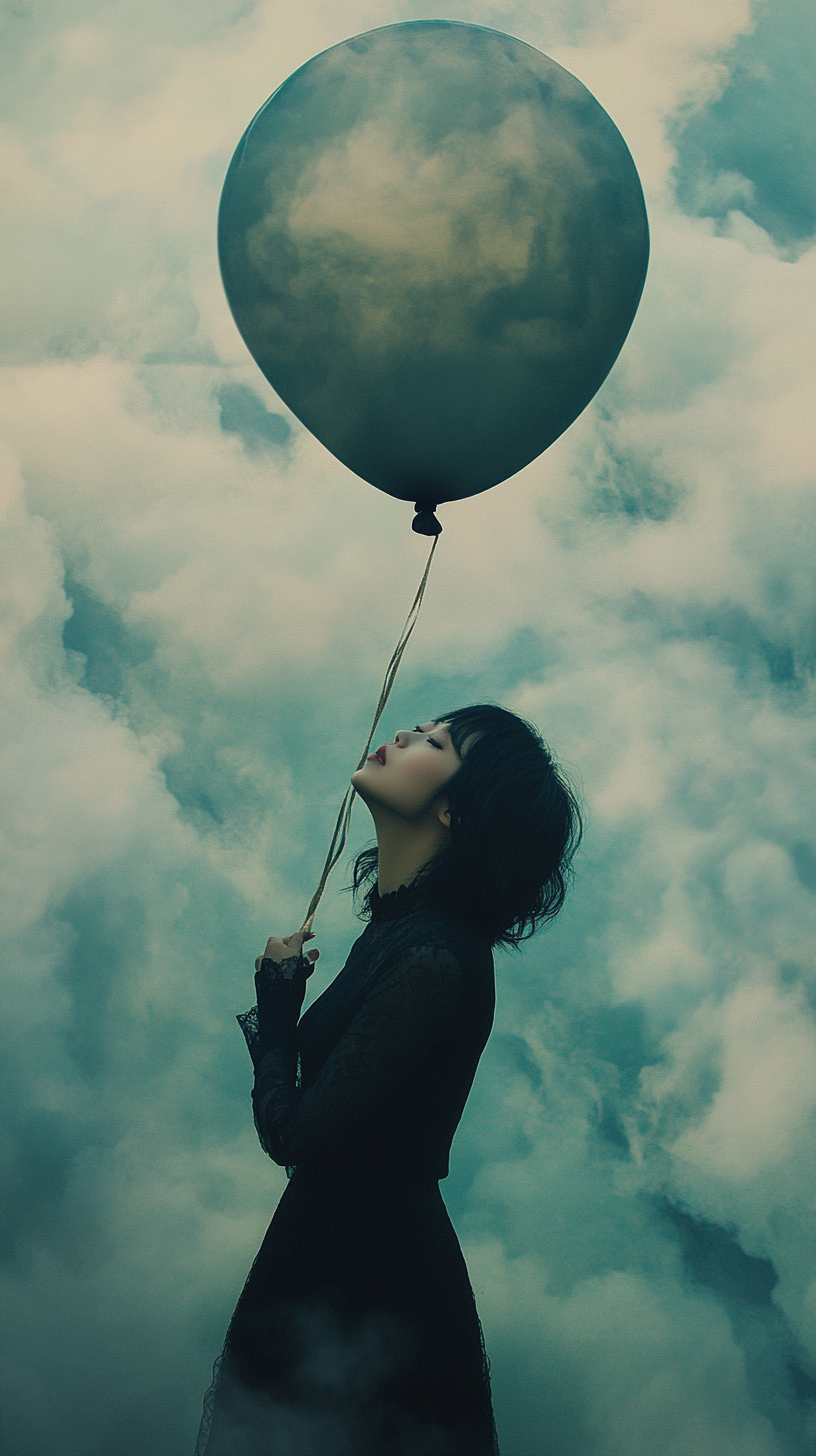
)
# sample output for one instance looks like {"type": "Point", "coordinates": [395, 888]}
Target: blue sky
{"type": "Point", "coordinates": [199, 606]}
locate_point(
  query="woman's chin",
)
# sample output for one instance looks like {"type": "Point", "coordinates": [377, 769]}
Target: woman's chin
{"type": "Point", "coordinates": [363, 781]}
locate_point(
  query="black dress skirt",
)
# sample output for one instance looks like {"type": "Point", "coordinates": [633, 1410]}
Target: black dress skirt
{"type": "Point", "coordinates": [357, 1333]}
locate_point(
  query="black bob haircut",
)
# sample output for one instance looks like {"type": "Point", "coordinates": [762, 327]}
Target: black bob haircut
{"type": "Point", "coordinates": [515, 827]}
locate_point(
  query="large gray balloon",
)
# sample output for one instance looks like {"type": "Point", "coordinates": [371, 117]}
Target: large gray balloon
{"type": "Point", "coordinates": [433, 240]}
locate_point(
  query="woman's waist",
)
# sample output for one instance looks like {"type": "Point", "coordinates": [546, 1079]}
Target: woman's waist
{"type": "Point", "coordinates": [367, 1174]}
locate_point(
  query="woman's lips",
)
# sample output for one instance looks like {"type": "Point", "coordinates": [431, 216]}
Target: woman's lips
{"type": "Point", "coordinates": [379, 755]}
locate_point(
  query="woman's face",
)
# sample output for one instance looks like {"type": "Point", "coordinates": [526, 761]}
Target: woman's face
{"type": "Point", "coordinates": [408, 775]}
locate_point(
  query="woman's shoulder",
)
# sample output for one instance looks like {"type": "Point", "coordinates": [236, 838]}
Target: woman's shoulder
{"type": "Point", "coordinates": [433, 930]}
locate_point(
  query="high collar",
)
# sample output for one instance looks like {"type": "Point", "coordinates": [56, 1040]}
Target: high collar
{"type": "Point", "coordinates": [398, 903]}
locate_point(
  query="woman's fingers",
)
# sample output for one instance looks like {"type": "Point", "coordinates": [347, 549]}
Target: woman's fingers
{"type": "Point", "coordinates": [279, 947]}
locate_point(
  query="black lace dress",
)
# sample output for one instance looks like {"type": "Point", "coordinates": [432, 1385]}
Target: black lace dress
{"type": "Point", "coordinates": [356, 1333]}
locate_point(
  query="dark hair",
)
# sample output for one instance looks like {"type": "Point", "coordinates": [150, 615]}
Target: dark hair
{"type": "Point", "coordinates": [515, 827]}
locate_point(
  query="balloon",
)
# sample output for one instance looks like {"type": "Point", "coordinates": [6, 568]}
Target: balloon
{"type": "Point", "coordinates": [433, 240]}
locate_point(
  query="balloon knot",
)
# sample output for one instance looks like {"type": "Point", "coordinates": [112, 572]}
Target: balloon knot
{"type": "Point", "coordinates": [425, 522]}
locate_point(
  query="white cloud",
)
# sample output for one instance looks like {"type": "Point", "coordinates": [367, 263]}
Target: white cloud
{"type": "Point", "coordinates": [767, 1089]}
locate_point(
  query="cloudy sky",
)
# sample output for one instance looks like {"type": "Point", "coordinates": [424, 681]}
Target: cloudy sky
{"type": "Point", "coordinates": [199, 603]}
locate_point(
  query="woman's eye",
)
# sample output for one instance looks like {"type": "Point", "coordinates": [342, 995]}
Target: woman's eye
{"type": "Point", "coordinates": [430, 740]}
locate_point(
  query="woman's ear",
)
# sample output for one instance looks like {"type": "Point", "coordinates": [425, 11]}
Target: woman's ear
{"type": "Point", "coordinates": [443, 813]}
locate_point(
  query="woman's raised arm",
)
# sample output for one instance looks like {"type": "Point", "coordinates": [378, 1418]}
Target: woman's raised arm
{"type": "Point", "coordinates": [392, 1042]}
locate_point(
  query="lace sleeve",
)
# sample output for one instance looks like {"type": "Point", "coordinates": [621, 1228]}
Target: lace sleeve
{"type": "Point", "coordinates": [269, 974]}
{"type": "Point", "coordinates": [404, 1021]}
{"type": "Point", "coordinates": [248, 1022]}
{"type": "Point", "coordinates": [270, 1030]}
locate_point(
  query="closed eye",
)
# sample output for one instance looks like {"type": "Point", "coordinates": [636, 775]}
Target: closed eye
{"type": "Point", "coordinates": [430, 740]}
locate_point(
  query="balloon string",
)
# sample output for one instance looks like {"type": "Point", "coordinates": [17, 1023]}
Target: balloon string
{"type": "Point", "coordinates": [341, 828]}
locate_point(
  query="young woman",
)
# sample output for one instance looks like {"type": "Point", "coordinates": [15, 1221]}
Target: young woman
{"type": "Point", "coordinates": [357, 1333]}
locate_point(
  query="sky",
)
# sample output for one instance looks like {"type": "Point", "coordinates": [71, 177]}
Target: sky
{"type": "Point", "coordinates": [199, 602]}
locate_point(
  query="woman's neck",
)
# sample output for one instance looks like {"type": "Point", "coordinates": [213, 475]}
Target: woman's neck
{"type": "Point", "coordinates": [404, 847]}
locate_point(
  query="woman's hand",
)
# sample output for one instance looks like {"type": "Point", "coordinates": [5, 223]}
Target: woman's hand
{"type": "Point", "coordinates": [280, 948]}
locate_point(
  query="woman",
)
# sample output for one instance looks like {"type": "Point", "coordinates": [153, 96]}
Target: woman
{"type": "Point", "coordinates": [356, 1333]}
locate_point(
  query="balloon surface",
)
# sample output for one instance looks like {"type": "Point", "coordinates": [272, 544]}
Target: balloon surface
{"type": "Point", "coordinates": [433, 240]}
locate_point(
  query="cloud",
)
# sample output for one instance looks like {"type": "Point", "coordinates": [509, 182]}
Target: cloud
{"type": "Point", "coordinates": [750, 147]}
{"type": "Point", "coordinates": [242, 413]}
{"type": "Point", "coordinates": [200, 602]}
{"type": "Point", "coordinates": [689, 1395]}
